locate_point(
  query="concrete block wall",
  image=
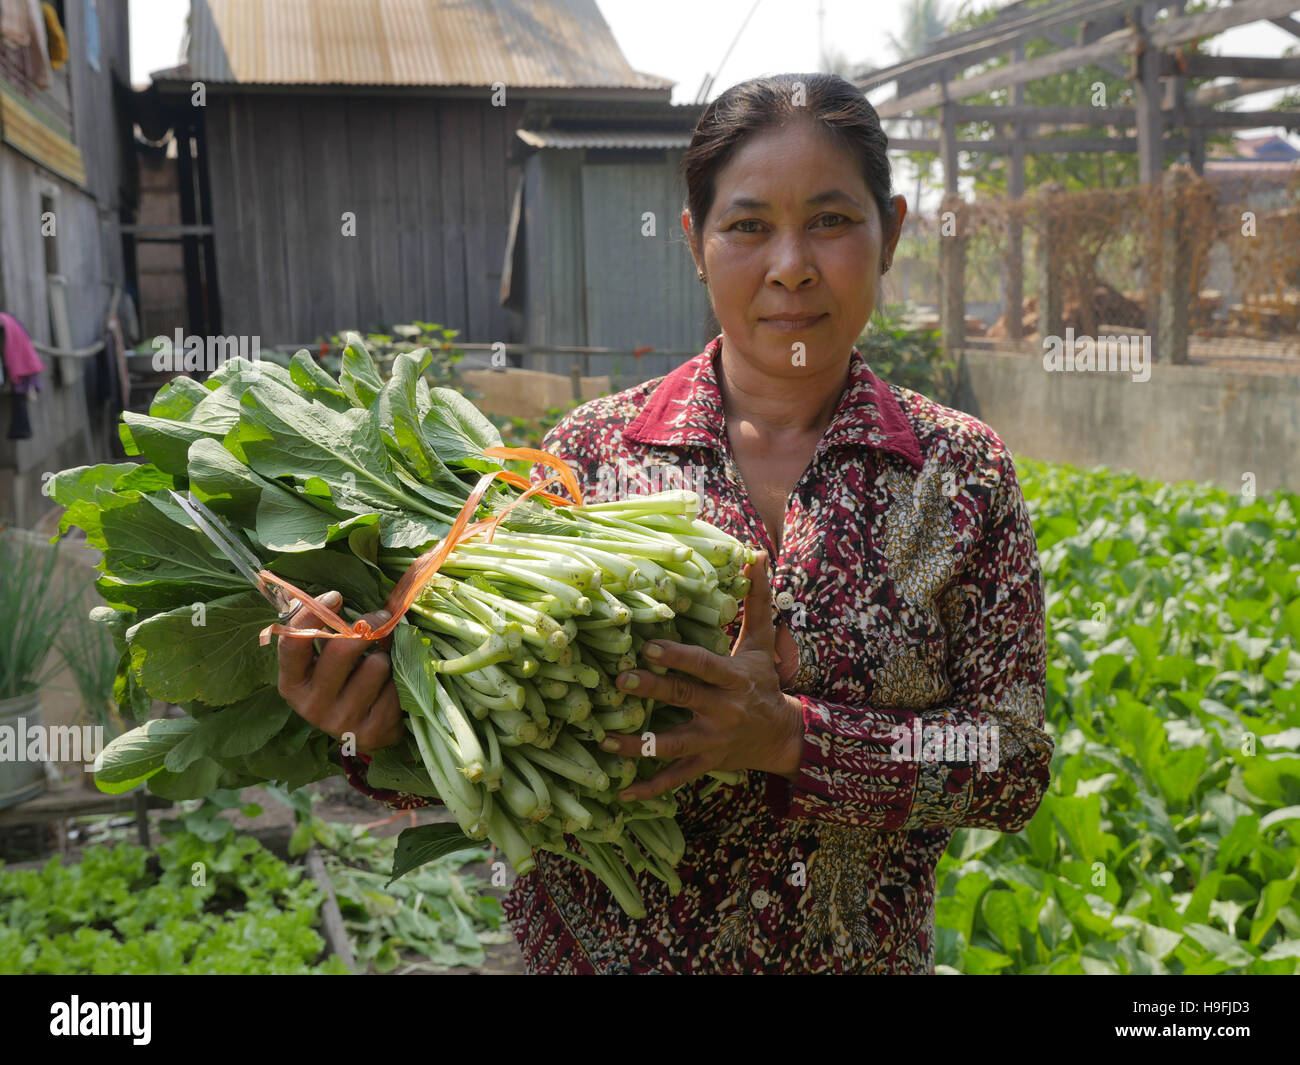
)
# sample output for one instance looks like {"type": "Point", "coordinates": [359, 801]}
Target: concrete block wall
{"type": "Point", "coordinates": [1185, 423]}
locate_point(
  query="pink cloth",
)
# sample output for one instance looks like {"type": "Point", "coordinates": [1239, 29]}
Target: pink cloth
{"type": "Point", "coordinates": [22, 364]}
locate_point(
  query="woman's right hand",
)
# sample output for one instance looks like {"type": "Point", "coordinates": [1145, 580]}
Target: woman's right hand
{"type": "Point", "coordinates": [329, 692]}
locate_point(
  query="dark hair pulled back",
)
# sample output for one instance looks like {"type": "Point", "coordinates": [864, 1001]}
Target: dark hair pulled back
{"type": "Point", "coordinates": [837, 107]}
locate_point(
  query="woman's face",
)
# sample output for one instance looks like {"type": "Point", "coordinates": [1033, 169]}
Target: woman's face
{"type": "Point", "coordinates": [793, 230]}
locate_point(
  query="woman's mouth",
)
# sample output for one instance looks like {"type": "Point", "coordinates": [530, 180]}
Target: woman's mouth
{"type": "Point", "coordinates": [792, 325]}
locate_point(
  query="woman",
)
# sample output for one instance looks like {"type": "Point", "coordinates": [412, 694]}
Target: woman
{"type": "Point", "coordinates": [894, 690]}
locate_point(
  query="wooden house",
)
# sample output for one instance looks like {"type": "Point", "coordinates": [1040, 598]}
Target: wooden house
{"type": "Point", "coordinates": [65, 179]}
{"type": "Point", "coordinates": [485, 164]}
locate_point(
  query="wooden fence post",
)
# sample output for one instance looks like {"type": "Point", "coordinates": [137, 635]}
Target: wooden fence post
{"type": "Point", "coordinates": [1175, 268]}
{"type": "Point", "coordinates": [1051, 307]}
{"type": "Point", "coordinates": [1013, 304]}
{"type": "Point", "coordinates": [952, 275]}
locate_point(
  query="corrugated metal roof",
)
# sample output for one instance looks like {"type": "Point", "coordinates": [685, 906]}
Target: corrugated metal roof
{"type": "Point", "coordinates": [602, 138]}
{"type": "Point", "coordinates": [521, 43]}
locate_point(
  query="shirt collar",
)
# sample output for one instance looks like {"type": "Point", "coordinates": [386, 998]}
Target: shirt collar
{"type": "Point", "coordinates": [686, 409]}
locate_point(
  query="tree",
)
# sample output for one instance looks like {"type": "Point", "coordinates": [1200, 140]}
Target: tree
{"type": "Point", "coordinates": [924, 22]}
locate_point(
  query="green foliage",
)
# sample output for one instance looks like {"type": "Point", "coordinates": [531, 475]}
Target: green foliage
{"type": "Point", "coordinates": [86, 645]}
{"type": "Point", "coordinates": [384, 344]}
{"type": "Point", "coordinates": [433, 919]}
{"type": "Point", "coordinates": [909, 358]}
{"type": "Point", "coordinates": [200, 906]}
{"type": "Point", "coordinates": [1169, 840]}
{"type": "Point", "coordinates": [318, 474]}
{"type": "Point", "coordinates": [34, 606]}
{"type": "Point", "coordinates": [529, 432]}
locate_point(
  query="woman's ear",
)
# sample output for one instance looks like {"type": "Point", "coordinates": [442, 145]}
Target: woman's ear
{"type": "Point", "coordinates": [900, 213]}
{"type": "Point", "coordinates": [690, 237]}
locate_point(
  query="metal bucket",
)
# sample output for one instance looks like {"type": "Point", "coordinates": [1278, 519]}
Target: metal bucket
{"type": "Point", "coordinates": [20, 779]}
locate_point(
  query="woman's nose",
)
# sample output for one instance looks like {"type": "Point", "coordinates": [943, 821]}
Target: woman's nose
{"type": "Point", "coordinates": [792, 265]}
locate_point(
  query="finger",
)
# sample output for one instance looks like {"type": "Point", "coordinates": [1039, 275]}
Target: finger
{"type": "Point", "coordinates": [673, 776]}
{"type": "Point", "coordinates": [339, 656]}
{"type": "Point", "coordinates": [676, 742]}
{"type": "Point", "coordinates": [756, 625]}
{"type": "Point", "coordinates": [296, 653]}
{"type": "Point", "coordinates": [384, 725]}
{"type": "Point", "coordinates": [346, 709]}
{"type": "Point", "coordinates": [688, 658]}
{"type": "Point", "coordinates": [362, 689]}
{"type": "Point", "coordinates": [671, 688]}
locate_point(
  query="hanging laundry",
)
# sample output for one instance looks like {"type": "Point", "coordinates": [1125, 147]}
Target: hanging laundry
{"type": "Point", "coordinates": [22, 363]}
{"type": "Point", "coordinates": [58, 42]}
{"type": "Point", "coordinates": [23, 367]}
{"type": "Point", "coordinates": [15, 30]}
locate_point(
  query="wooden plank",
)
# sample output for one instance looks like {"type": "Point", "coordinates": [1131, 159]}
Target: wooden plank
{"type": "Point", "coordinates": [536, 276]}
{"type": "Point", "coordinates": [1059, 37]}
{"type": "Point", "coordinates": [74, 800]}
{"type": "Point", "coordinates": [511, 327]}
{"type": "Point", "coordinates": [569, 297]}
{"type": "Point", "coordinates": [286, 124]}
{"type": "Point", "coordinates": [330, 292]}
{"type": "Point", "coordinates": [143, 231]}
{"type": "Point", "coordinates": [1188, 28]}
{"type": "Point", "coordinates": [336, 934]}
{"type": "Point", "coordinates": [1204, 117]}
{"type": "Point", "coordinates": [499, 191]}
{"type": "Point", "coordinates": [232, 208]}
{"type": "Point", "coordinates": [23, 129]}
{"type": "Point", "coordinates": [450, 139]}
{"type": "Point", "coordinates": [1287, 23]}
{"type": "Point", "coordinates": [1231, 66]}
{"type": "Point", "coordinates": [973, 46]}
{"type": "Point", "coordinates": [1208, 95]}
{"type": "Point", "coordinates": [1036, 145]}
{"type": "Point", "coordinates": [1175, 31]}
{"type": "Point", "coordinates": [430, 157]}
{"type": "Point", "coordinates": [473, 166]}
{"type": "Point", "coordinates": [389, 190]}
{"type": "Point", "coordinates": [361, 197]}
{"type": "Point", "coordinates": [1014, 261]}
{"type": "Point", "coordinates": [948, 150]}
{"type": "Point", "coordinates": [269, 228]}
{"type": "Point", "coordinates": [1148, 98]}
{"type": "Point", "coordinates": [410, 178]}
{"type": "Point", "coordinates": [1036, 114]}
{"type": "Point", "coordinates": [1031, 70]}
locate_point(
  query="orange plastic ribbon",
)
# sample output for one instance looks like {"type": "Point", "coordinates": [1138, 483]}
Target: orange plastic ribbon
{"type": "Point", "coordinates": [421, 571]}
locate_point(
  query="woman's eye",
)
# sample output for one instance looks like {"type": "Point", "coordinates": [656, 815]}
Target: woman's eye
{"type": "Point", "coordinates": [739, 226]}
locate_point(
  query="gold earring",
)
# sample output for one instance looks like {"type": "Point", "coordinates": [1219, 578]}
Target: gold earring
{"type": "Point", "coordinates": [700, 274]}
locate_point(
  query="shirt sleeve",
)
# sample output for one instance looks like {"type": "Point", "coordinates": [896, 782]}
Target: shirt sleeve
{"type": "Point", "coordinates": [980, 760]}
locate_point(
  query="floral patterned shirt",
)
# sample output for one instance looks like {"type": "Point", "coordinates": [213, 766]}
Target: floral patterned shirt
{"type": "Point", "coordinates": [909, 580]}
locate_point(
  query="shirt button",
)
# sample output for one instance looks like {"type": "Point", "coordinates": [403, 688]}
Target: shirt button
{"type": "Point", "coordinates": [785, 601]}
{"type": "Point", "coordinates": [760, 899]}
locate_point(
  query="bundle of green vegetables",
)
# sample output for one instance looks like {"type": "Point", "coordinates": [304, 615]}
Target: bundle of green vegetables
{"type": "Point", "coordinates": [505, 661]}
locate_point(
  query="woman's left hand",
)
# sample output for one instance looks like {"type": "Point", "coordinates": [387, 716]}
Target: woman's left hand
{"type": "Point", "coordinates": [742, 718]}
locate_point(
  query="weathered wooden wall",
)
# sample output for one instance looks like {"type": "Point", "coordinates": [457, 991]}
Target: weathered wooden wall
{"type": "Point", "coordinates": [65, 431]}
{"type": "Point", "coordinates": [429, 182]}
{"type": "Point", "coordinates": [596, 277]}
